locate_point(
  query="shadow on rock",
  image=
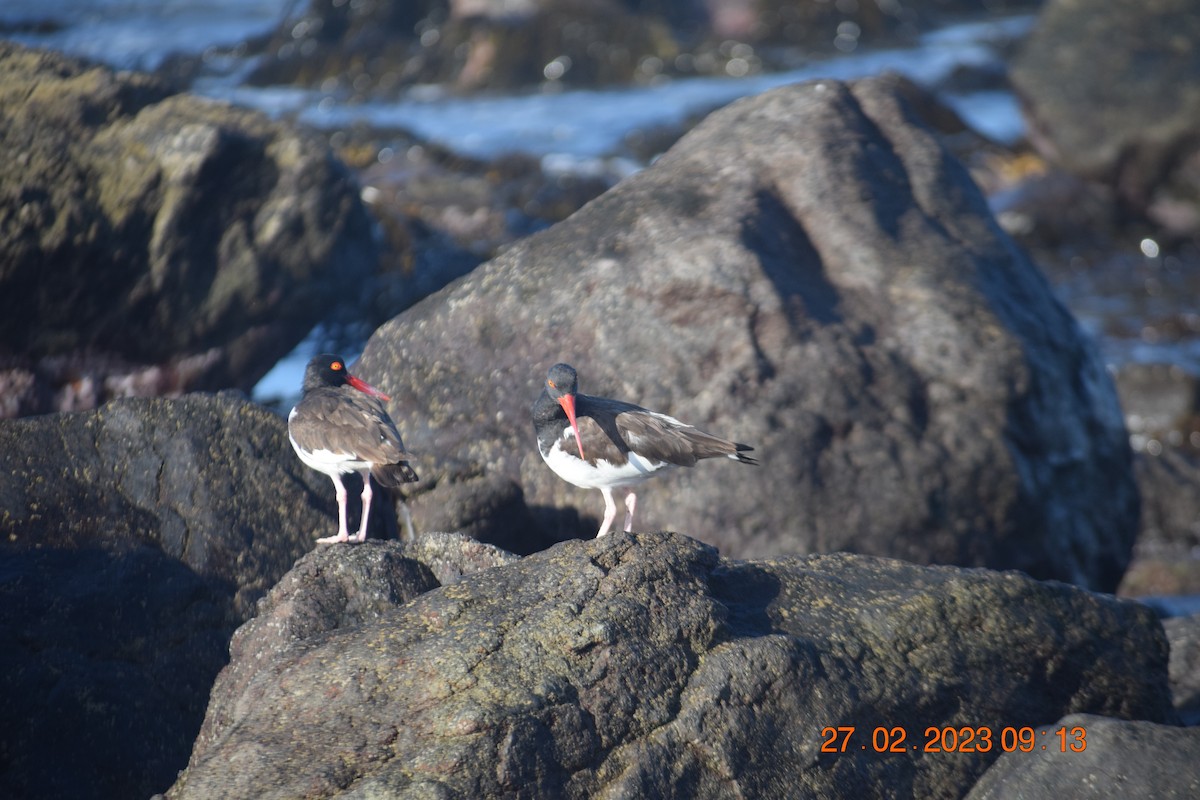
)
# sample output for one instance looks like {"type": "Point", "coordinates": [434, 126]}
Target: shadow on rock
{"type": "Point", "coordinates": [109, 650]}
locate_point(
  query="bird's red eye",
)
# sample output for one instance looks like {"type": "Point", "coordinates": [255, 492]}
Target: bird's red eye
{"type": "Point", "coordinates": [551, 384]}
{"type": "Point", "coordinates": [336, 366]}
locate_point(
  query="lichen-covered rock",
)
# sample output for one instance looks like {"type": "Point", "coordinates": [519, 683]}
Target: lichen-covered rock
{"type": "Point", "coordinates": [646, 665]}
{"type": "Point", "coordinates": [810, 272]}
{"type": "Point", "coordinates": [331, 588]}
{"type": "Point", "coordinates": [144, 230]}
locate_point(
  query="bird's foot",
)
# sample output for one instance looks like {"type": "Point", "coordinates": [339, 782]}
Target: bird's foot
{"type": "Point", "coordinates": [342, 536]}
{"type": "Point", "coordinates": [359, 537]}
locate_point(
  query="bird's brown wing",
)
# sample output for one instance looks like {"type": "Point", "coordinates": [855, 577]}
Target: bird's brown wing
{"type": "Point", "coordinates": [352, 423]}
{"type": "Point", "coordinates": [662, 438]}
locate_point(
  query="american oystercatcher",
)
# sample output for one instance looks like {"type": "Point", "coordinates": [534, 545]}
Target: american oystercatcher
{"type": "Point", "coordinates": [595, 442]}
{"type": "Point", "coordinates": [340, 426]}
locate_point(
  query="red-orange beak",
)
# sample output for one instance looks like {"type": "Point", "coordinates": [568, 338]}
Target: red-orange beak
{"type": "Point", "coordinates": [367, 388]}
{"type": "Point", "coordinates": [567, 401]}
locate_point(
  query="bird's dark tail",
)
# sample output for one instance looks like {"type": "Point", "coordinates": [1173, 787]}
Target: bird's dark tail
{"type": "Point", "coordinates": [393, 476]}
{"type": "Point", "coordinates": [740, 453]}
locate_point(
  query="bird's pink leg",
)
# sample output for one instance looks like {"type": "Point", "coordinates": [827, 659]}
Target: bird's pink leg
{"type": "Point", "coordinates": [610, 511]}
{"type": "Point", "coordinates": [343, 534]}
{"type": "Point", "coordinates": [366, 508]}
{"type": "Point", "coordinates": [630, 505]}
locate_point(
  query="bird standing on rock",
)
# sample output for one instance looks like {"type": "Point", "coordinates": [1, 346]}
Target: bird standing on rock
{"type": "Point", "coordinates": [595, 442]}
{"type": "Point", "coordinates": [340, 426]}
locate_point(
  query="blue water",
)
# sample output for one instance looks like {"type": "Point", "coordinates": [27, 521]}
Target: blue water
{"type": "Point", "coordinates": [139, 34]}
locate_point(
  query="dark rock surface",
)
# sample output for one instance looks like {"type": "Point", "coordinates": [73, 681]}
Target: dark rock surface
{"type": "Point", "coordinates": [1121, 759]}
{"type": "Point", "coordinates": [107, 653]}
{"type": "Point", "coordinates": [1110, 93]}
{"type": "Point", "coordinates": [648, 666]}
{"type": "Point", "coordinates": [154, 243]}
{"type": "Point", "coordinates": [210, 480]}
{"type": "Point", "coordinates": [467, 45]}
{"type": "Point", "coordinates": [1162, 410]}
{"type": "Point", "coordinates": [810, 272]}
{"type": "Point", "coordinates": [133, 541]}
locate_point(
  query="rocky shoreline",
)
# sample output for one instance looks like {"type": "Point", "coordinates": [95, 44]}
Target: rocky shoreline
{"type": "Point", "coordinates": [948, 499]}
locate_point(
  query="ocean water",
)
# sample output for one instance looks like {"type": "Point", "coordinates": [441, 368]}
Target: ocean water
{"type": "Point", "coordinates": [138, 34]}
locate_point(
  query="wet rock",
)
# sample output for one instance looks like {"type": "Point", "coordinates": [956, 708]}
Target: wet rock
{"type": "Point", "coordinates": [648, 666]}
{"type": "Point", "coordinates": [133, 540]}
{"type": "Point", "coordinates": [909, 381]}
{"type": "Point", "coordinates": [1118, 758]}
{"type": "Point", "coordinates": [157, 242]}
{"type": "Point", "coordinates": [1183, 635]}
{"type": "Point", "coordinates": [1107, 90]}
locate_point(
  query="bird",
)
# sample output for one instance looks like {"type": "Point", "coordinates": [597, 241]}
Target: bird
{"type": "Point", "coordinates": [340, 426]}
{"type": "Point", "coordinates": [596, 442]}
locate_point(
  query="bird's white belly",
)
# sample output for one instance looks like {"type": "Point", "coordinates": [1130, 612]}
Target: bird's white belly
{"type": "Point", "coordinates": [575, 471]}
{"type": "Point", "coordinates": [329, 462]}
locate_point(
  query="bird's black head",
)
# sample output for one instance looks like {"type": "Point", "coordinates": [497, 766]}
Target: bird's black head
{"type": "Point", "coordinates": [561, 386]}
{"type": "Point", "coordinates": [561, 380]}
{"type": "Point", "coordinates": [326, 369]}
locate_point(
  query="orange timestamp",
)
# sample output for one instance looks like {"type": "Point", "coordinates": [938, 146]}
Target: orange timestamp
{"type": "Point", "coordinates": [948, 739]}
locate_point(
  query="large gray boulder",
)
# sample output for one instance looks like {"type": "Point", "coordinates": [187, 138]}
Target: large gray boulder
{"type": "Point", "coordinates": [154, 243]}
{"type": "Point", "coordinates": [810, 272]}
{"type": "Point", "coordinates": [647, 666]}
